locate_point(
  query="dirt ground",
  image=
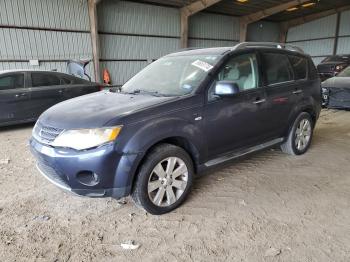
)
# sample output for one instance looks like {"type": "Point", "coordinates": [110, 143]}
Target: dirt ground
{"type": "Point", "coordinates": [267, 207]}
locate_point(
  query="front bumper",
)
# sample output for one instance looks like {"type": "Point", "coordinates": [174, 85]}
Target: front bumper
{"type": "Point", "coordinates": [61, 167]}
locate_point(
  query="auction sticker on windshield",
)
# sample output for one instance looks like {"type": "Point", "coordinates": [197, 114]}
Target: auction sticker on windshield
{"type": "Point", "coordinates": [202, 65]}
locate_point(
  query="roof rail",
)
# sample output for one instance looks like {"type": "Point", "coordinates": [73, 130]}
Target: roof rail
{"type": "Point", "coordinates": [269, 44]}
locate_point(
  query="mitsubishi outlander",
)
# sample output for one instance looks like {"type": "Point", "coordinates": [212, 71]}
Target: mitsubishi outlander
{"type": "Point", "coordinates": [184, 113]}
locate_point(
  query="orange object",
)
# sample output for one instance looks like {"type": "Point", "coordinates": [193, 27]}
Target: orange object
{"type": "Point", "coordinates": [106, 77]}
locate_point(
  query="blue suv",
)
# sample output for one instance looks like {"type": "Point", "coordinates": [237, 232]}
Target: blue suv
{"type": "Point", "coordinates": [182, 114]}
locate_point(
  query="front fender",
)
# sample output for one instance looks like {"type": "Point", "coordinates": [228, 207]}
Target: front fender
{"type": "Point", "coordinates": [147, 135]}
{"type": "Point", "coordinates": [140, 137]}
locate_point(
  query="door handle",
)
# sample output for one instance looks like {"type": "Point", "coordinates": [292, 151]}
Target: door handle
{"type": "Point", "coordinates": [257, 102]}
{"type": "Point", "coordinates": [20, 95]}
{"type": "Point", "coordinates": [296, 92]}
{"type": "Point", "coordinates": [60, 91]}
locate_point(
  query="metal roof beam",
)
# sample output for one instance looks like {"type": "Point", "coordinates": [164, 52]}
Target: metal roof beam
{"type": "Point", "coordinates": [244, 21]}
{"type": "Point", "coordinates": [312, 17]}
{"type": "Point", "coordinates": [92, 9]}
{"type": "Point", "coordinates": [251, 18]}
{"type": "Point", "coordinates": [197, 6]}
{"type": "Point", "coordinates": [187, 11]}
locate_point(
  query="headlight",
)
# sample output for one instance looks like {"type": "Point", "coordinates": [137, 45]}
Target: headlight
{"type": "Point", "coordinates": [80, 139]}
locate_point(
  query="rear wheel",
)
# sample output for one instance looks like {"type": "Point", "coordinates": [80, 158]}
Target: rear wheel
{"type": "Point", "coordinates": [300, 136]}
{"type": "Point", "coordinates": [164, 180]}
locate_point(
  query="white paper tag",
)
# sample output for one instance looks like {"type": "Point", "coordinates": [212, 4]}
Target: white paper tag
{"type": "Point", "coordinates": [202, 65]}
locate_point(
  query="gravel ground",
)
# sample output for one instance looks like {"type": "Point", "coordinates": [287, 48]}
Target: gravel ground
{"type": "Point", "coordinates": [267, 207]}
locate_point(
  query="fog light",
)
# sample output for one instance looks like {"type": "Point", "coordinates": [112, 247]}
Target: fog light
{"type": "Point", "coordinates": [88, 178]}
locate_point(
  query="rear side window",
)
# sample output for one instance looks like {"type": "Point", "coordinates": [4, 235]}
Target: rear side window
{"type": "Point", "coordinates": [44, 79]}
{"type": "Point", "coordinates": [299, 65]}
{"type": "Point", "coordinates": [313, 74]}
{"type": "Point", "coordinates": [277, 68]}
{"type": "Point", "coordinates": [12, 81]}
{"type": "Point", "coordinates": [66, 81]}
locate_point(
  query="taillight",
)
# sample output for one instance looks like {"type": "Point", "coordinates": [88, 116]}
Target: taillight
{"type": "Point", "coordinates": [339, 67]}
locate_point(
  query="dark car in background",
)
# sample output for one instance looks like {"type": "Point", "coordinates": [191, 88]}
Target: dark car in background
{"type": "Point", "coordinates": [184, 113]}
{"type": "Point", "coordinates": [332, 65]}
{"type": "Point", "coordinates": [336, 91]}
{"type": "Point", "coordinates": [25, 94]}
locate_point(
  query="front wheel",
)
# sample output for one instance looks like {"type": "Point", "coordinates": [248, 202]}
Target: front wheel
{"type": "Point", "coordinates": [300, 135]}
{"type": "Point", "coordinates": [164, 179]}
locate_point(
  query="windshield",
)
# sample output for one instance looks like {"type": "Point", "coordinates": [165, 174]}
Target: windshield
{"type": "Point", "coordinates": [172, 75]}
{"type": "Point", "coordinates": [337, 59]}
{"type": "Point", "coordinates": [345, 72]}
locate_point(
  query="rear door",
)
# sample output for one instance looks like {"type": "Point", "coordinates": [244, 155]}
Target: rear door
{"type": "Point", "coordinates": [74, 87]}
{"type": "Point", "coordinates": [14, 98]}
{"type": "Point", "coordinates": [46, 91]}
{"type": "Point", "coordinates": [283, 91]}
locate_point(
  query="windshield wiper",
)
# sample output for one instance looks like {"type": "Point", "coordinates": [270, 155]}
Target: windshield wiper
{"type": "Point", "coordinates": [139, 91]}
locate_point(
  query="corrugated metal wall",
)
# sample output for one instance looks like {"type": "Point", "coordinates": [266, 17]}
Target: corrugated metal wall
{"type": "Point", "coordinates": [263, 31]}
{"type": "Point", "coordinates": [344, 34]}
{"type": "Point", "coordinates": [52, 31]}
{"type": "Point", "coordinates": [210, 30]}
{"type": "Point", "coordinates": [133, 34]}
{"type": "Point", "coordinates": [318, 37]}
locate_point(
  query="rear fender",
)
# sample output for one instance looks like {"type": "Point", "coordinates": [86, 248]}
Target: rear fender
{"type": "Point", "coordinates": [307, 104]}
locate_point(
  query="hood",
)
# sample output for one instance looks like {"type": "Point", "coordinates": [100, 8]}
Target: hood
{"type": "Point", "coordinates": [340, 82]}
{"type": "Point", "coordinates": [95, 110]}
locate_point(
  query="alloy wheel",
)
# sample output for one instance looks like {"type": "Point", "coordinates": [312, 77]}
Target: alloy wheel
{"type": "Point", "coordinates": [303, 134]}
{"type": "Point", "coordinates": [167, 181]}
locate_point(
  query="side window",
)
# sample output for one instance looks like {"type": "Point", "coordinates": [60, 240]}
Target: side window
{"type": "Point", "coordinates": [277, 68]}
{"type": "Point", "coordinates": [44, 79]}
{"type": "Point", "coordinates": [299, 65]}
{"type": "Point", "coordinates": [313, 74]}
{"type": "Point", "coordinates": [66, 81]}
{"type": "Point", "coordinates": [12, 81]}
{"type": "Point", "coordinates": [242, 69]}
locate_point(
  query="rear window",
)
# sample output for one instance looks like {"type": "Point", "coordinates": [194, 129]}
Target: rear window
{"type": "Point", "coordinates": [44, 79]}
{"type": "Point", "coordinates": [299, 65]}
{"type": "Point", "coordinates": [12, 81]}
{"type": "Point", "coordinates": [277, 68]}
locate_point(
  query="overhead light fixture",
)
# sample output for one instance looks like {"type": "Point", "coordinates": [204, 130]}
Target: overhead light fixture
{"type": "Point", "coordinates": [308, 4]}
{"type": "Point", "coordinates": [242, 1]}
{"type": "Point", "coordinates": [292, 9]}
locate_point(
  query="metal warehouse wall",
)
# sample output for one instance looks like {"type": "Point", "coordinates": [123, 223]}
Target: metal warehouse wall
{"type": "Point", "coordinates": [210, 30]}
{"type": "Point", "coordinates": [51, 31]}
{"type": "Point", "coordinates": [263, 31]}
{"type": "Point", "coordinates": [134, 34]}
{"type": "Point", "coordinates": [319, 38]}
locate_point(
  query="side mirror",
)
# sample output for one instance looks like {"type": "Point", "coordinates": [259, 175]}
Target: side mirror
{"type": "Point", "coordinates": [226, 88]}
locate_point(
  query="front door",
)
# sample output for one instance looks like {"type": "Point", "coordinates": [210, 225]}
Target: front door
{"type": "Point", "coordinates": [237, 122]}
{"type": "Point", "coordinates": [14, 98]}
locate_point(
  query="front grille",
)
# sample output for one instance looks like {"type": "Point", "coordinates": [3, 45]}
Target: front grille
{"type": "Point", "coordinates": [51, 174]}
{"type": "Point", "coordinates": [46, 134]}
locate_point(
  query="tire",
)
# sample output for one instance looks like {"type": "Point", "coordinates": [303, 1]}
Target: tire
{"type": "Point", "coordinates": [291, 145]}
{"type": "Point", "coordinates": [156, 179]}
